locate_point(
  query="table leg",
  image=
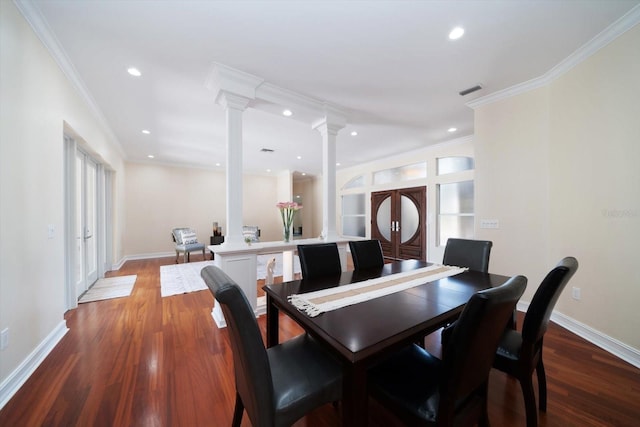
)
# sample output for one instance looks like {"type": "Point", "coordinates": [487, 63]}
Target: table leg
{"type": "Point", "coordinates": [354, 395]}
{"type": "Point", "coordinates": [273, 323]}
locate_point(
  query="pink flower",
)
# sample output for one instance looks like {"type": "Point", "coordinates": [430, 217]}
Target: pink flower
{"type": "Point", "coordinates": [287, 210]}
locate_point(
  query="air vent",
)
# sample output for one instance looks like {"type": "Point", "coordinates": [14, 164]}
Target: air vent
{"type": "Point", "coordinates": [266, 150]}
{"type": "Point", "coordinates": [470, 90]}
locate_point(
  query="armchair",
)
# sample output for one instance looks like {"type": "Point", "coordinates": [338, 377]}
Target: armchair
{"type": "Point", "coordinates": [186, 242]}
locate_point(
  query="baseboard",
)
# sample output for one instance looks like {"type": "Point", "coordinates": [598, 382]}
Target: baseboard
{"type": "Point", "coordinates": [617, 348]}
{"type": "Point", "coordinates": [126, 258]}
{"type": "Point", "coordinates": [21, 374]}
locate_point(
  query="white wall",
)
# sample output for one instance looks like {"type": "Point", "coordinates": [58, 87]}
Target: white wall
{"type": "Point", "coordinates": [558, 166]}
{"type": "Point", "coordinates": [36, 102]}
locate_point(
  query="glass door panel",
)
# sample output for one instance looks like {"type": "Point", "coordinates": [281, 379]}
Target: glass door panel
{"type": "Point", "coordinates": [86, 257]}
{"type": "Point", "coordinates": [91, 223]}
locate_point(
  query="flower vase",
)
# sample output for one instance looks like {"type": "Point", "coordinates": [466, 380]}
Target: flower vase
{"type": "Point", "coordinates": [286, 235]}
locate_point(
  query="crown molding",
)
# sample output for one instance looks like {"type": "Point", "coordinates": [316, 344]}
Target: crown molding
{"type": "Point", "coordinates": [224, 79]}
{"type": "Point", "coordinates": [33, 16]}
{"type": "Point", "coordinates": [609, 34]}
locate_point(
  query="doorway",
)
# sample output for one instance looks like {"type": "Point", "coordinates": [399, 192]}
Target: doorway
{"type": "Point", "coordinates": [87, 225]}
{"type": "Point", "coordinates": [398, 220]}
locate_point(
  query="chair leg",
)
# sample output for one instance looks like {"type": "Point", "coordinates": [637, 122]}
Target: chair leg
{"type": "Point", "coordinates": [526, 384]}
{"type": "Point", "coordinates": [177, 255]}
{"type": "Point", "coordinates": [237, 412]}
{"type": "Point", "coordinates": [542, 385]}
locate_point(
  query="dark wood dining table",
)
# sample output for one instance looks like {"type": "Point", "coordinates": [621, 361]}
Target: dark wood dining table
{"type": "Point", "coordinates": [362, 334]}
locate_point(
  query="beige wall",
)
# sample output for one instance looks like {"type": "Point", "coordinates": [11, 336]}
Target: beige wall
{"type": "Point", "coordinates": [306, 189]}
{"type": "Point", "coordinates": [160, 198]}
{"type": "Point", "coordinates": [558, 167]}
{"type": "Point", "coordinates": [37, 100]}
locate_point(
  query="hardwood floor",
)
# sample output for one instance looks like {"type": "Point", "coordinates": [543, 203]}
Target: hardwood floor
{"type": "Point", "coordinates": [151, 361]}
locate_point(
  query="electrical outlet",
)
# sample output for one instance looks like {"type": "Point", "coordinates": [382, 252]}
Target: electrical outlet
{"type": "Point", "coordinates": [4, 338]}
{"type": "Point", "coordinates": [51, 231]}
{"type": "Point", "coordinates": [575, 294]}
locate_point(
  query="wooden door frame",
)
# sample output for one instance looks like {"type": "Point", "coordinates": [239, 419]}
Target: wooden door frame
{"type": "Point", "coordinates": [415, 247]}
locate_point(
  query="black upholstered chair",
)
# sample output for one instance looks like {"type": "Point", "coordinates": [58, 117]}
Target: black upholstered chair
{"type": "Point", "coordinates": [278, 385]}
{"type": "Point", "coordinates": [519, 354]}
{"type": "Point", "coordinates": [473, 254]}
{"type": "Point", "coordinates": [366, 254]}
{"type": "Point", "coordinates": [319, 260]}
{"type": "Point", "coordinates": [424, 390]}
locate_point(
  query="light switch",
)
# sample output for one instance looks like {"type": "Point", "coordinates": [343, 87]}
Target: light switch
{"type": "Point", "coordinates": [489, 223]}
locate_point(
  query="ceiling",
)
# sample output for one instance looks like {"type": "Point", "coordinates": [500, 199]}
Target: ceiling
{"type": "Point", "coordinates": [389, 66]}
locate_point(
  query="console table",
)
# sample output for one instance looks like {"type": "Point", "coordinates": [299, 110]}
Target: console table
{"type": "Point", "coordinates": [216, 240]}
{"type": "Point", "coordinates": [239, 261]}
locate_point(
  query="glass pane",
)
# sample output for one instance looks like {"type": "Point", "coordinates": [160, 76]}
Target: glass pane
{"type": "Point", "coordinates": [402, 173]}
{"type": "Point", "coordinates": [456, 198]}
{"type": "Point", "coordinates": [409, 219]}
{"type": "Point", "coordinates": [454, 164]}
{"type": "Point", "coordinates": [91, 226]}
{"type": "Point", "coordinates": [353, 226]}
{"type": "Point", "coordinates": [353, 204]}
{"type": "Point", "coordinates": [79, 273]}
{"type": "Point", "coordinates": [356, 182]}
{"type": "Point", "coordinates": [455, 226]}
{"type": "Point", "coordinates": [383, 218]}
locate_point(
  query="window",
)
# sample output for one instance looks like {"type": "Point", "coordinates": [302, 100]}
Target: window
{"type": "Point", "coordinates": [447, 165]}
{"type": "Point", "coordinates": [402, 173]}
{"type": "Point", "coordinates": [455, 211]}
{"type": "Point", "coordinates": [353, 215]}
{"type": "Point", "coordinates": [356, 182]}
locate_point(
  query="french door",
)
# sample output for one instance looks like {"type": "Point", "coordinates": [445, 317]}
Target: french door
{"type": "Point", "coordinates": [398, 220]}
{"type": "Point", "coordinates": [86, 222]}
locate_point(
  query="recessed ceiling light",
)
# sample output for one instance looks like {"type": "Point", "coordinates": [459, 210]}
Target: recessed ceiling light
{"type": "Point", "coordinates": [456, 33]}
{"type": "Point", "coordinates": [151, 156]}
{"type": "Point", "coordinates": [299, 157]}
{"type": "Point", "coordinates": [452, 130]}
{"type": "Point", "coordinates": [217, 164]}
{"type": "Point", "coordinates": [268, 170]}
{"type": "Point", "coordinates": [304, 174]}
{"type": "Point", "coordinates": [146, 132]}
{"type": "Point", "coordinates": [338, 164]}
{"type": "Point", "coordinates": [354, 133]}
{"type": "Point", "coordinates": [134, 72]}
{"type": "Point", "coordinates": [287, 113]}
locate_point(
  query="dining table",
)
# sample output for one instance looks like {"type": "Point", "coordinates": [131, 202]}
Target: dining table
{"type": "Point", "coordinates": [363, 334]}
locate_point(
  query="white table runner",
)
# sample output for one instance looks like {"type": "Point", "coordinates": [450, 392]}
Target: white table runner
{"type": "Point", "coordinates": [314, 303]}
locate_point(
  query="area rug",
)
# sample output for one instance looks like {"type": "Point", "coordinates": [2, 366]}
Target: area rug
{"type": "Point", "coordinates": [183, 278]}
{"type": "Point", "coordinates": [108, 288]}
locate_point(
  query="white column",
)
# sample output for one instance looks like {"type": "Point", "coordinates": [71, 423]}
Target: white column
{"type": "Point", "coordinates": [234, 106]}
{"type": "Point", "coordinates": [329, 131]}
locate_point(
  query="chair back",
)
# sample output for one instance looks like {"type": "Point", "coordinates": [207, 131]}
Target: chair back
{"type": "Point", "coordinates": [473, 254]}
{"type": "Point", "coordinates": [536, 321]}
{"type": "Point", "coordinates": [319, 260]}
{"type": "Point", "coordinates": [366, 254]}
{"type": "Point", "coordinates": [254, 382]}
{"type": "Point", "coordinates": [176, 233]}
{"type": "Point", "coordinates": [468, 356]}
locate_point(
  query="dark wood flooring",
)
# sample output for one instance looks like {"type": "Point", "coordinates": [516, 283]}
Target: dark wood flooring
{"type": "Point", "coordinates": [151, 361]}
